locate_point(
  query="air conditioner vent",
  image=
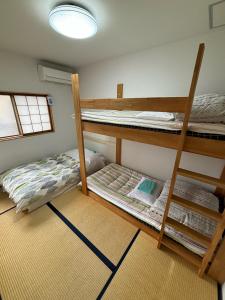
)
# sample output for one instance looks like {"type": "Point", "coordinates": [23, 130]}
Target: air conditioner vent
{"type": "Point", "coordinates": [53, 75]}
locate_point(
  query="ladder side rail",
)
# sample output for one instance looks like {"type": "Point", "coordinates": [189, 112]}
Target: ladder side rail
{"type": "Point", "coordinates": [183, 135]}
{"type": "Point", "coordinates": [215, 240]}
{"type": "Point", "coordinates": [220, 192]}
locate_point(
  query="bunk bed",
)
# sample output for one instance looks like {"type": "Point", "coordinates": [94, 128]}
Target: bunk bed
{"type": "Point", "coordinates": [180, 140]}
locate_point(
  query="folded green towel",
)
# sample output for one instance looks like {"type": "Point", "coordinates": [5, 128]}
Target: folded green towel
{"type": "Point", "coordinates": [147, 186]}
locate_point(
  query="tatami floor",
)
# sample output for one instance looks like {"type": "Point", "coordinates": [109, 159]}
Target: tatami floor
{"type": "Point", "coordinates": [74, 248]}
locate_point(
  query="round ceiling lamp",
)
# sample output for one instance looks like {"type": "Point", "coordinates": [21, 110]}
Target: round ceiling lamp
{"type": "Point", "coordinates": [73, 21]}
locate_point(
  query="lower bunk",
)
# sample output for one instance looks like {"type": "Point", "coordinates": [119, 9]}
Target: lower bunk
{"type": "Point", "coordinates": [116, 188]}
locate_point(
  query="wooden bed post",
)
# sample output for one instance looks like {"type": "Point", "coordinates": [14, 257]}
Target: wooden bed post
{"type": "Point", "coordinates": [119, 141]}
{"type": "Point", "coordinates": [78, 124]}
{"type": "Point", "coordinates": [219, 192]}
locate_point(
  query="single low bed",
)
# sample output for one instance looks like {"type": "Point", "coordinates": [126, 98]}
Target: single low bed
{"type": "Point", "coordinates": [34, 184]}
{"type": "Point", "coordinates": [115, 184]}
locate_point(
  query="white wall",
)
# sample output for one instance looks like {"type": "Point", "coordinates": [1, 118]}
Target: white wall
{"type": "Point", "coordinates": [19, 74]}
{"type": "Point", "coordinates": [161, 71]}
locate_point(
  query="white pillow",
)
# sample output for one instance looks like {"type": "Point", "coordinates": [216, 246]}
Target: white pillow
{"type": "Point", "coordinates": [74, 153]}
{"type": "Point", "coordinates": [208, 108]}
{"type": "Point", "coordinates": [94, 161]}
{"type": "Point", "coordinates": [147, 198]}
{"type": "Point", "coordinates": [155, 115]}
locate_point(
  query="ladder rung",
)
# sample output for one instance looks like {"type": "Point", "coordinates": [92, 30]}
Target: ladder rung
{"type": "Point", "coordinates": [201, 177]}
{"type": "Point", "coordinates": [197, 208]}
{"type": "Point", "coordinates": [195, 235]}
{"type": "Point", "coordinates": [183, 252]}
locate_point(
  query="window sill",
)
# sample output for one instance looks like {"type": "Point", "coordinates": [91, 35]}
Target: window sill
{"type": "Point", "coordinates": [15, 137]}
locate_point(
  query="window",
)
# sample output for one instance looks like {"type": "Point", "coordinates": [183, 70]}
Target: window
{"type": "Point", "coordinates": [8, 124]}
{"type": "Point", "coordinates": [22, 115]}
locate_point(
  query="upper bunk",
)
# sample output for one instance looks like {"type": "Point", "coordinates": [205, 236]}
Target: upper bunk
{"type": "Point", "coordinates": [201, 138]}
{"type": "Point", "coordinates": [101, 116]}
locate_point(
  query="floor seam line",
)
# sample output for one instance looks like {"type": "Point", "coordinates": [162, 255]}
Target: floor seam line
{"type": "Point", "coordinates": [118, 266]}
{"type": "Point", "coordinates": [219, 291]}
{"type": "Point", "coordinates": [83, 238]}
{"type": "Point", "coordinates": [2, 213]}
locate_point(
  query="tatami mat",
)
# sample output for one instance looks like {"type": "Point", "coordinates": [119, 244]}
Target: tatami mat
{"type": "Point", "coordinates": [41, 258]}
{"type": "Point", "coordinates": [107, 231]}
{"type": "Point", "coordinates": [149, 273]}
{"type": "Point", "coordinates": [5, 202]}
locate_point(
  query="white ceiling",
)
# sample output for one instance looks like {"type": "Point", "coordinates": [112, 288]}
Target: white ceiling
{"type": "Point", "coordinates": [124, 26]}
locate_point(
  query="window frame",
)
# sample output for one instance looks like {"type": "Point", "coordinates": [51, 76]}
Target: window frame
{"type": "Point", "coordinates": [17, 117]}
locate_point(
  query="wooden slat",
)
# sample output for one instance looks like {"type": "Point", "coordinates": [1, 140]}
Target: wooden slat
{"type": "Point", "coordinates": [203, 146]}
{"type": "Point", "coordinates": [219, 192]}
{"type": "Point", "coordinates": [124, 215]}
{"type": "Point", "coordinates": [181, 251]}
{"type": "Point", "coordinates": [78, 124]}
{"type": "Point", "coordinates": [138, 135]}
{"type": "Point", "coordinates": [167, 104]}
{"type": "Point", "coordinates": [203, 240]}
{"type": "Point", "coordinates": [197, 208]}
{"type": "Point", "coordinates": [215, 240]}
{"type": "Point", "coordinates": [201, 177]}
{"type": "Point", "coordinates": [217, 268]}
{"type": "Point", "coordinates": [118, 140]}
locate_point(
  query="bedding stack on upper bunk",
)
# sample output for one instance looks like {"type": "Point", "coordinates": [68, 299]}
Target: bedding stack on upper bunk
{"type": "Point", "coordinates": [117, 184]}
{"type": "Point", "coordinates": [205, 133]}
{"type": "Point", "coordinates": [207, 118]}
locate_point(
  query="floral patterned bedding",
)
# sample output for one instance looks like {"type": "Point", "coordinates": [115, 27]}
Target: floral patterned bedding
{"type": "Point", "coordinates": [32, 185]}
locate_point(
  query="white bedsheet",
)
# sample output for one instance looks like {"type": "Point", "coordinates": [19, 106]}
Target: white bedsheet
{"type": "Point", "coordinates": [114, 183]}
{"type": "Point", "coordinates": [164, 121]}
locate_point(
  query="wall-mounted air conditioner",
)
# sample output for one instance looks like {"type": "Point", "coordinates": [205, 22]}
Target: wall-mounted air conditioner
{"type": "Point", "coordinates": [53, 75]}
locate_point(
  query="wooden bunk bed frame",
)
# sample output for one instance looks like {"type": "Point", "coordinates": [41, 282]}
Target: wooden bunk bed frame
{"type": "Point", "coordinates": [180, 142]}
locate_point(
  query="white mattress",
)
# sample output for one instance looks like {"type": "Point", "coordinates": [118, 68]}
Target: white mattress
{"type": "Point", "coordinates": [114, 183]}
{"type": "Point", "coordinates": [155, 120]}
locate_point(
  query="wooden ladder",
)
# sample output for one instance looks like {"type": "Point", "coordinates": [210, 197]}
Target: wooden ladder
{"type": "Point", "coordinates": [210, 244]}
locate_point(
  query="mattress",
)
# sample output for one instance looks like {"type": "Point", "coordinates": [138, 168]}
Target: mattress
{"type": "Point", "coordinates": [155, 121]}
{"type": "Point", "coordinates": [31, 185]}
{"type": "Point", "coordinates": [34, 184]}
{"type": "Point", "coordinates": [114, 183]}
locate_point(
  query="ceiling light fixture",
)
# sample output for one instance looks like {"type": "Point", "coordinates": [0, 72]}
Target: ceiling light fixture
{"type": "Point", "coordinates": [73, 21]}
